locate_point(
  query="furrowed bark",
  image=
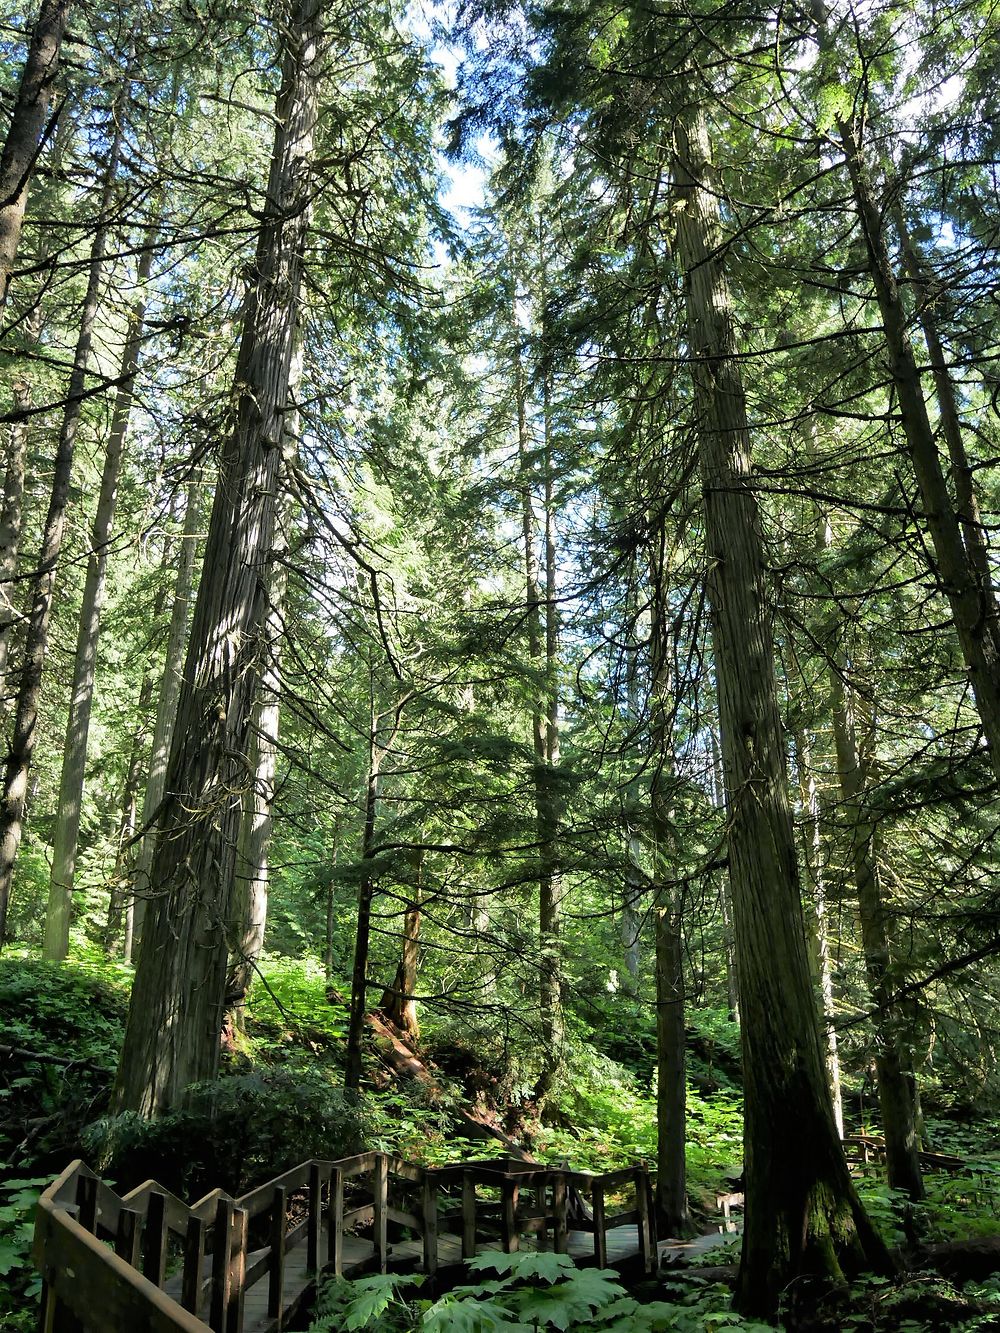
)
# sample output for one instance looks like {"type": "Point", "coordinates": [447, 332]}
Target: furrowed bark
{"type": "Point", "coordinates": [252, 885]}
{"type": "Point", "coordinates": [166, 713]}
{"type": "Point", "coordinates": [172, 1036]}
{"type": "Point", "coordinates": [802, 1214]}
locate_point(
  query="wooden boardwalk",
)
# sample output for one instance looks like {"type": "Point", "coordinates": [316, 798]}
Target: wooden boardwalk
{"type": "Point", "coordinates": [360, 1257]}
{"type": "Point", "coordinates": [247, 1265]}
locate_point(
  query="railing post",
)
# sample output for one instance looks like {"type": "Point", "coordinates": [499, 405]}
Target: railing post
{"type": "Point", "coordinates": [380, 1189]}
{"type": "Point", "coordinates": [315, 1218]}
{"type": "Point", "coordinates": [276, 1268]}
{"type": "Point", "coordinates": [428, 1202]}
{"type": "Point", "coordinates": [194, 1255]}
{"type": "Point", "coordinates": [509, 1193]}
{"type": "Point", "coordinates": [154, 1245]}
{"type": "Point", "coordinates": [560, 1229]}
{"type": "Point", "coordinates": [238, 1270]}
{"type": "Point", "coordinates": [541, 1185]}
{"type": "Point", "coordinates": [127, 1235]}
{"type": "Point", "coordinates": [600, 1236]}
{"type": "Point", "coordinates": [468, 1215]}
{"type": "Point", "coordinates": [86, 1198]}
{"type": "Point", "coordinates": [647, 1240]}
{"type": "Point", "coordinates": [335, 1221]}
{"type": "Point", "coordinates": [221, 1272]}
{"type": "Point", "coordinates": [56, 1316]}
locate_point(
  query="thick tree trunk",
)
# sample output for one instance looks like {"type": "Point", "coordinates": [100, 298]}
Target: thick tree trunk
{"type": "Point", "coordinates": [892, 1067]}
{"type": "Point", "coordinates": [166, 714]}
{"type": "Point", "coordinates": [27, 130]}
{"type": "Point", "coordinates": [803, 1213]}
{"type": "Point", "coordinates": [816, 917]}
{"type": "Point", "coordinates": [172, 1036]}
{"type": "Point", "coordinates": [250, 892]}
{"type": "Point", "coordinates": [74, 764]}
{"type": "Point", "coordinates": [42, 584]}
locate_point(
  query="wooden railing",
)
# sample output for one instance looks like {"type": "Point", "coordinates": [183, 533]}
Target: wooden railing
{"type": "Point", "coordinates": [226, 1264]}
{"type": "Point", "coordinates": [865, 1150]}
{"type": "Point", "coordinates": [529, 1199]}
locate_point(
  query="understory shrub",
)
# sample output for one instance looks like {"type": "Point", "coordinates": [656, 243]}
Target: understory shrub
{"type": "Point", "coordinates": [235, 1133]}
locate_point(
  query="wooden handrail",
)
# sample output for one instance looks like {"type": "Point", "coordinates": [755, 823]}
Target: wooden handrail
{"type": "Point", "coordinates": [93, 1282]}
{"type": "Point", "coordinates": [78, 1211]}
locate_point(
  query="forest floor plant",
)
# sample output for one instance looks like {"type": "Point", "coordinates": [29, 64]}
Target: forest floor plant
{"type": "Point", "coordinates": [61, 1027]}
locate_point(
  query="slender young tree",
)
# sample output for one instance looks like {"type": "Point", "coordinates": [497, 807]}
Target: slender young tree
{"type": "Point", "coordinates": [43, 580]}
{"type": "Point", "coordinates": [958, 567]}
{"type": "Point", "coordinates": [542, 617]}
{"type": "Point", "coordinates": [894, 1076]}
{"type": "Point", "coordinates": [381, 736]}
{"type": "Point", "coordinates": [817, 923]}
{"type": "Point", "coordinates": [74, 765]}
{"type": "Point", "coordinates": [671, 1070]}
{"type": "Point", "coordinates": [12, 515]}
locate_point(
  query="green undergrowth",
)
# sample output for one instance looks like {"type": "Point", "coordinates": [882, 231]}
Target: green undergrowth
{"type": "Point", "coordinates": [522, 1293]}
{"type": "Point", "coordinates": [613, 1124]}
{"type": "Point", "coordinates": [289, 1006]}
{"type": "Point", "coordinates": [919, 1302]}
{"type": "Point", "coordinates": [65, 1023]}
{"type": "Point", "coordinates": [280, 1099]}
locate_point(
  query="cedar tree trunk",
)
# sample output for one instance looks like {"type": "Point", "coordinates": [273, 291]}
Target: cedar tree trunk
{"type": "Point", "coordinates": [173, 1032]}
{"type": "Point", "coordinates": [802, 1214]}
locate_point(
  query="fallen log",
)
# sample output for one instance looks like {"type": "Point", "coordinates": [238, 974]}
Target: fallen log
{"type": "Point", "coordinates": [961, 1260]}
